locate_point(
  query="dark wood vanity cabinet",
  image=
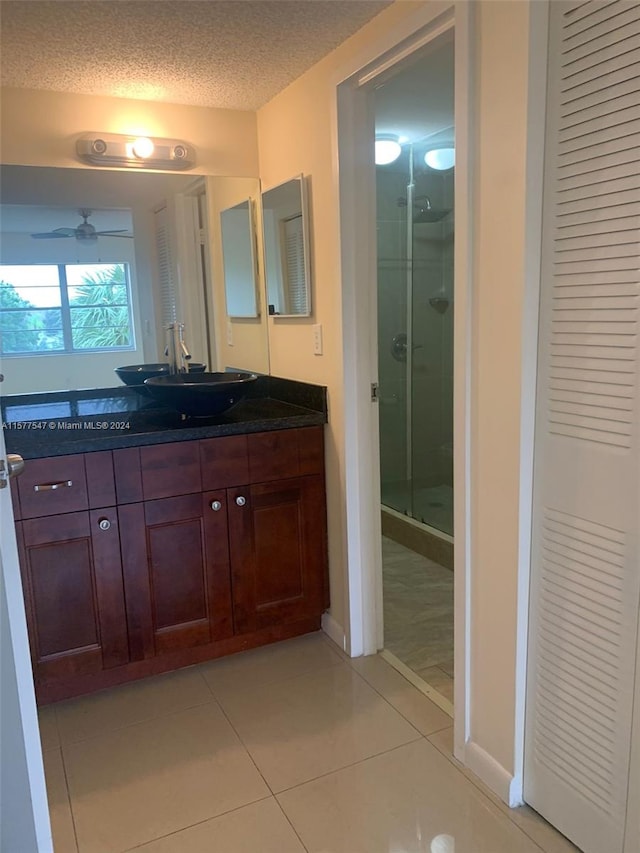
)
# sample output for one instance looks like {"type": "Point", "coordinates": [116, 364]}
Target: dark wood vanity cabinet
{"type": "Point", "coordinates": [176, 553]}
{"type": "Point", "coordinates": [72, 579]}
{"type": "Point", "coordinates": [176, 573]}
{"type": "Point", "coordinates": [277, 558]}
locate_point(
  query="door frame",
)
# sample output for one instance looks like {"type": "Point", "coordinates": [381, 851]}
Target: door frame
{"type": "Point", "coordinates": [25, 813]}
{"type": "Point", "coordinates": [354, 133]}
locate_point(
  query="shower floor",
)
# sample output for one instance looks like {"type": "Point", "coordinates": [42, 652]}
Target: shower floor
{"type": "Point", "coordinates": [418, 614]}
{"type": "Point", "coordinates": [432, 505]}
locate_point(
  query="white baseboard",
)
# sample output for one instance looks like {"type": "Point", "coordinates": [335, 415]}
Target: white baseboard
{"type": "Point", "coordinates": [516, 793]}
{"type": "Point", "coordinates": [493, 774]}
{"type": "Point", "coordinates": [333, 630]}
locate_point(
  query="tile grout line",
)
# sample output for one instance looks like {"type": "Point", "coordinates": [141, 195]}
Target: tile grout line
{"type": "Point", "coordinates": [290, 822]}
{"type": "Point", "coordinates": [349, 766]}
{"type": "Point", "coordinates": [197, 823]}
{"type": "Point", "coordinates": [251, 758]}
{"type": "Point", "coordinates": [244, 746]}
{"type": "Point", "coordinates": [69, 800]}
{"type": "Point", "coordinates": [397, 710]}
{"type": "Point", "coordinates": [287, 678]}
{"type": "Point", "coordinates": [66, 780]}
{"type": "Point", "coordinates": [135, 723]}
{"type": "Point", "coordinates": [275, 794]}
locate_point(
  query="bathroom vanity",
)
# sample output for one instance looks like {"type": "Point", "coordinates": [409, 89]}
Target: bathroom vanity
{"type": "Point", "coordinates": [170, 541]}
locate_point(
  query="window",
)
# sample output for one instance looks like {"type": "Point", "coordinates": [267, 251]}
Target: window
{"type": "Point", "coordinates": [47, 309]}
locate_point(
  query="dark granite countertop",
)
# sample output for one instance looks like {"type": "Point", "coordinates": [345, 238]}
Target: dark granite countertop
{"type": "Point", "coordinates": [62, 422]}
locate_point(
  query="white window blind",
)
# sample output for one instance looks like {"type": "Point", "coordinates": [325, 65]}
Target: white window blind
{"type": "Point", "coordinates": [167, 286]}
{"type": "Point", "coordinates": [294, 266]}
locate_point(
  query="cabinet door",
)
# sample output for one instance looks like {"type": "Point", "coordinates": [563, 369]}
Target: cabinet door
{"type": "Point", "coordinates": [277, 537]}
{"type": "Point", "coordinates": [72, 578]}
{"type": "Point", "coordinates": [176, 569]}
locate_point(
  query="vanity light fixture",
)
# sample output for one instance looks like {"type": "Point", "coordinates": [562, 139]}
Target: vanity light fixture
{"type": "Point", "coordinates": [441, 159]}
{"type": "Point", "coordinates": [135, 152]}
{"type": "Point", "coordinates": [387, 149]}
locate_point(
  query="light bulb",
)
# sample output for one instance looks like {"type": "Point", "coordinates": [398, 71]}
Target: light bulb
{"type": "Point", "coordinates": [387, 150]}
{"type": "Point", "coordinates": [143, 147]}
{"type": "Point", "coordinates": [440, 159]}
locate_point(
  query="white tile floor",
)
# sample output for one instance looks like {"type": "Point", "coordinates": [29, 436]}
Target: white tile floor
{"type": "Point", "coordinates": [284, 749]}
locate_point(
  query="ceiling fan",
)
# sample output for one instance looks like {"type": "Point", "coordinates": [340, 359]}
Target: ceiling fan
{"type": "Point", "coordinates": [85, 232]}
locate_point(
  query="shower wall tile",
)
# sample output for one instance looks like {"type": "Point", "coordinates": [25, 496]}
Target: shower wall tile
{"type": "Point", "coordinates": [392, 412]}
{"type": "Point", "coordinates": [392, 243]}
{"type": "Point", "coordinates": [432, 272]}
{"type": "Point", "coordinates": [391, 185]}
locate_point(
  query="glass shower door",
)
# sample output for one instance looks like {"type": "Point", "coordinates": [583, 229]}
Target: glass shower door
{"type": "Point", "coordinates": [395, 458]}
{"type": "Point", "coordinates": [431, 357]}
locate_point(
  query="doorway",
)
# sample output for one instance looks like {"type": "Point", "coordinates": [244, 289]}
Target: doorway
{"type": "Point", "coordinates": [414, 177]}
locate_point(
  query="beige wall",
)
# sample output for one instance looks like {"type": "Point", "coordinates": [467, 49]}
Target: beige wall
{"type": "Point", "coordinates": [295, 135]}
{"type": "Point", "coordinates": [40, 128]}
{"type": "Point", "coordinates": [499, 292]}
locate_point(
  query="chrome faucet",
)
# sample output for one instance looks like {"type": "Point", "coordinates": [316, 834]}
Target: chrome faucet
{"type": "Point", "coordinates": [176, 348]}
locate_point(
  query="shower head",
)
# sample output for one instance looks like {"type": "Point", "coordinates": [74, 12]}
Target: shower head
{"type": "Point", "coordinates": [433, 215]}
{"type": "Point", "coordinates": [426, 212]}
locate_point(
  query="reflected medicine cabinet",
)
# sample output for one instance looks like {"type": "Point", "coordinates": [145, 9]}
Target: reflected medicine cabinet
{"type": "Point", "coordinates": [239, 260]}
{"type": "Point", "coordinates": [286, 249]}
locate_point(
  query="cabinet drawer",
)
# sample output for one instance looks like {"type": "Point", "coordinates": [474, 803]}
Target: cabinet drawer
{"type": "Point", "coordinates": [285, 453]}
{"type": "Point", "coordinates": [52, 486]}
{"type": "Point", "coordinates": [60, 484]}
{"type": "Point", "coordinates": [157, 471]}
{"type": "Point", "coordinates": [224, 462]}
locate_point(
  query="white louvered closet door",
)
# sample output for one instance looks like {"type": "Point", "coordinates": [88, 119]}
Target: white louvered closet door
{"type": "Point", "coordinates": [586, 569]}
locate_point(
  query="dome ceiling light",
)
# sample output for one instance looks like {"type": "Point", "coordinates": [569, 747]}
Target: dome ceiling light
{"type": "Point", "coordinates": [441, 159]}
{"type": "Point", "coordinates": [387, 149]}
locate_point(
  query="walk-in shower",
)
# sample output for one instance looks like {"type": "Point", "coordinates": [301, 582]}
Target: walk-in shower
{"type": "Point", "coordinates": [415, 337]}
{"type": "Point", "coordinates": [414, 117]}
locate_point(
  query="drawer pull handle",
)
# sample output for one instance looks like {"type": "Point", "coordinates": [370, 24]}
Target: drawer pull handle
{"type": "Point", "coordinates": [241, 501]}
{"type": "Point", "coordinates": [216, 506]}
{"type": "Point", "coordinates": [51, 487]}
{"type": "Point", "coordinates": [104, 524]}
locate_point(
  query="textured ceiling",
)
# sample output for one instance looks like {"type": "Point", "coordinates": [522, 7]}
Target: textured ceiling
{"type": "Point", "coordinates": [235, 54]}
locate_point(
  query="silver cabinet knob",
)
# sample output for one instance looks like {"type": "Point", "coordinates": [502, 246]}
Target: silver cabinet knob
{"type": "Point", "coordinates": [240, 500]}
{"type": "Point", "coordinates": [216, 506]}
{"type": "Point", "coordinates": [104, 524]}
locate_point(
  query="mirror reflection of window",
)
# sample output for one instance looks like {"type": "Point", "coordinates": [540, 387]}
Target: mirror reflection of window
{"type": "Point", "coordinates": [65, 308]}
{"type": "Point", "coordinates": [238, 257]}
{"type": "Point", "coordinates": [286, 249]}
{"type": "Point", "coordinates": [295, 285]}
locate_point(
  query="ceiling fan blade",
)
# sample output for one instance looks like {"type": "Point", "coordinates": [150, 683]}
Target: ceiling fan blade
{"type": "Point", "coordinates": [113, 233]}
{"type": "Point", "coordinates": [47, 235]}
{"type": "Point", "coordinates": [64, 232]}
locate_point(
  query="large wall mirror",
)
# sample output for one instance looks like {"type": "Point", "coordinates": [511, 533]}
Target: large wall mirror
{"type": "Point", "coordinates": [286, 249]}
{"type": "Point", "coordinates": [158, 261]}
{"type": "Point", "coordinates": [239, 260]}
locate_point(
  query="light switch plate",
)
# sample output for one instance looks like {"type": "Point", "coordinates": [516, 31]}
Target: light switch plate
{"type": "Point", "coordinates": [317, 339]}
